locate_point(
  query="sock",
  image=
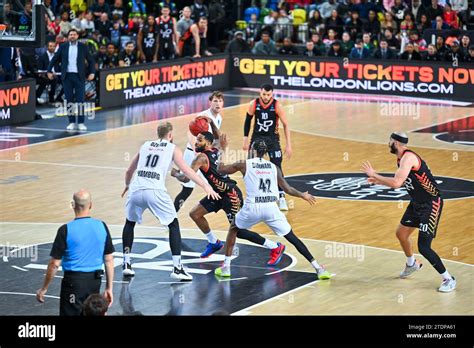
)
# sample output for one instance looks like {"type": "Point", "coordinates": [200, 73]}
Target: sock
{"type": "Point", "coordinates": [410, 260]}
{"type": "Point", "coordinates": [446, 275]}
{"type": "Point", "coordinates": [126, 258]}
{"type": "Point", "coordinates": [211, 237]}
{"type": "Point", "coordinates": [316, 265]}
{"type": "Point", "coordinates": [176, 260]}
{"type": "Point", "coordinates": [282, 194]}
{"type": "Point", "coordinates": [269, 244]}
{"type": "Point", "coordinates": [227, 261]}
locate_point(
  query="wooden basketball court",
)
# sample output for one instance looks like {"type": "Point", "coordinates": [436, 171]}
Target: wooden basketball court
{"type": "Point", "coordinates": [354, 239]}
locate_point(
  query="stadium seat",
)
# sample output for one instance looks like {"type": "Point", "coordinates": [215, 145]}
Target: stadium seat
{"type": "Point", "coordinates": [299, 16]}
{"type": "Point", "coordinates": [249, 12]}
{"type": "Point", "coordinates": [78, 5]}
{"type": "Point", "coordinates": [263, 13]}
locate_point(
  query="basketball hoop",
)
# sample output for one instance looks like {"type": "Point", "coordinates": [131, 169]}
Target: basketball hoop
{"type": "Point", "coordinates": [3, 27]}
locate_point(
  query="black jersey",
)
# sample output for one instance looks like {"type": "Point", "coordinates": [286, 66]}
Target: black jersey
{"type": "Point", "coordinates": [149, 38]}
{"type": "Point", "coordinates": [266, 118]}
{"type": "Point", "coordinates": [221, 183]}
{"type": "Point", "coordinates": [165, 30]}
{"type": "Point", "coordinates": [129, 59]}
{"type": "Point", "coordinates": [420, 183]}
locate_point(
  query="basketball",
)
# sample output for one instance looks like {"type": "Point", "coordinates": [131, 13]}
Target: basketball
{"type": "Point", "coordinates": [198, 125]}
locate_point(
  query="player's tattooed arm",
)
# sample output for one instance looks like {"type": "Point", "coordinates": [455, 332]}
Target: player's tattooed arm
{"type": "Point", "coordinates": [407, 162]}
{"type": "Point", "coordinates": [200, 161]}
{"type": "Point", "coordinates": [232, 168]}
{"type": "Point", "coordinates": [292, 191]}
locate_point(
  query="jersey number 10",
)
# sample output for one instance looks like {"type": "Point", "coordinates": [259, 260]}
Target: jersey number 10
{"type": "Point", "coordinates": [152, 160]}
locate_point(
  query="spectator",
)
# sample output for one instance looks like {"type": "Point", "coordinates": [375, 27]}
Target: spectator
{"type": "Point", "coordinates": [388, 4]}
{"type": "Point", "coordinates": [363, 8]}
{"type": "Point", "coordinates": [103, 25]}
{"type": "Point", "coordinates": [441, 46]}
{"type": "Point", "coordinates": [418, 43]}
{"type": "Point", "coordinates": [389, 23]}
{"type": "Point", "coordinates": [410, 53]}
{"type": "Point", "coordinates": [283, 27]}
{"type": "Point", "coordinates": [100, 57]}
{"type": "Point", "coordinates": [88, 24]}
{"type": "Point", "coordinates": [198, 10]}
{"type": "Point", "coordinates": [393, 42]}
{"type": "Point", "coordinates": [253, 27]}
{"type": "Point", "coordinates": [288, 49]}
{"type": "Point", "coordinates": [423, 23]}
{"type": "Point", "coordinates": [398, 11]}
{"type": "Point", "coordinates": [82, 246]}
{"type": "Point", "coordinates": [384, 52]}
{"type": "Point", "coordinates": [327, 7]}
{"type": "Point", "coordinates": [332, 37]}
{"type": "Point", "coordinates": [354, 25]}
{"type": "Point", "coordinates": [238, 44]}
{"type": "Point", "coordinates": [465, 44]}
{"type": "Point", "coordinates": [432, 54]}
{"type": "Point", "coordinates": [336, 50]}
{"type": "Point", "coordinates": [72, 56]}
{"type": "Point", "coordinates": [470, 56]}
{"type": "Point", "coordinates": [95, 305]}
{"type": "Point", "coordinates": [318, 43]}
{"type": "Point", "coordinates": [128, 56]}
{"type": "Point", "coordinates": [270, 18]}
{"type": "Point", "coordinates": [66, 7]}
{"type": "Point", "coordinates": [216, 22]}
{"type": "Point", "coordinates": [450, 17]}
{"type": "Point", "coordinates": [347, 44]}
{"type": "Point", "coordinates": [266, 46]}
{"type": "Point", "coordinates": [8, 57]}
{"type": "Point", "coordinates": [42, 80]}
{"type": "Point", "coordinates": [112, 60]}
{"type": "Point", "coordinates": [185, 21]}
{"type": "Point", "coordinates": [99, 8]}
{"type": "Point", "coordinates": [49, 9]}
{"type": "Point", "coordinates": [334, 22]}
{"type": "Point", "coordinates": [116, 33]}
{"type": "Point", "coordinates": [417, 9]}
{"type": "Point", "coordinates": [118, 11]}
{"type": "Point", "coordinates": [65, 25]}
{"type": "Point", "coordinates": [315, 23]}
{"type": "Point", "coordinates": [372, 25]}
{"type": "Point", "coordinates": [359, 51]}
{"type": "Point", "coordinates": [367, 43]}
{"type": "Point", "coordinates": [194, 42]}
{"type": "Point", "coordinates": [461, 8]}
{"type": "Point", "coordinates": [311, 50]}
{"type": "Point", "coordinates": [77, 23]}
{"type": "Point", "coordinates": [407, 24]}
{"type": "Point", "coordinates": [439, 24]}
{"type": "Point", "coordinates": [454, 54]}
{"type": "Point", "coordinates": [434, 10]}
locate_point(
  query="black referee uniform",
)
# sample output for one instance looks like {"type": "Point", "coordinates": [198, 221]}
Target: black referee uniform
{"type": "Point", "coordinates": [81, 245]}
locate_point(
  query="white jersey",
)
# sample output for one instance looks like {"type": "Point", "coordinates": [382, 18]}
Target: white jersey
{"type": "Point", "coordinates": [261, 181]}
{"type": "Point", "coordinates": [217, 120]}
{"type": "Point", "coordinates": [154, 162]}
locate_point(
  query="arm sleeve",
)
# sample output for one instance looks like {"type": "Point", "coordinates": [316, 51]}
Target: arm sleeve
{"type": "Point", "coordinates": [109, 247]}
{"type": "Point", "coordinates": [248, 121]}
{"type": "Point", "coordinates": [59, 245]}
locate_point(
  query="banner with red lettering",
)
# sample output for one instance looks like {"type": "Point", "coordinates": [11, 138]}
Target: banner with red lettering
{"type": "Point", "coordinates": [152, 81]}
{"type": "Point", "coordinates": [394, 77]}
{"type": "Point", "coordinates": [17, 101]}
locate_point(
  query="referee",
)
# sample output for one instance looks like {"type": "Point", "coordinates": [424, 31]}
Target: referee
{"type": "Point", "coordinates": [82, 246]}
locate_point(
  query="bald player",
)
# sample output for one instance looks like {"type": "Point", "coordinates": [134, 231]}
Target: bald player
{"type": "Point", "coordinates": [424, 210]}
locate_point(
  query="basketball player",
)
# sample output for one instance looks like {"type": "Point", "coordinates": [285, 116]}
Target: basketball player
{"type": "Point", "coordinates": [148, 191]}
{"type": "Point", "coordinates": [147, 41]}
{"type": "Point", "coordinates": [267, 113]}
{"type": "Point", "coordinates": [207, 161]}
{"type": "Point", "coordinates": [167, 34]}
{"type": "Point", "coordinates": [424, 210]}
{"type": "Point", "coordinates": [193, 43]}
{"type": "Point", "coordinates": [261, 181]}
{"type": "Point", "coordinates": [216, 104]}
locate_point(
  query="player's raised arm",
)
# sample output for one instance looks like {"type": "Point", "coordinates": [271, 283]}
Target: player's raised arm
{"type": "Point", "coordinates": [129, 173]}
{"type": "Point", "coordinates": [407, 162]}
{"type": "Point", "coordinates": [232, 168]}
{"type": "Point", "coordinates": [292, 191]}
{"type": "Point", "coordinates": [191, 174]}
{"type": "Point", "coordinates": [282, 116]}
{"type": "Point", "coordinates": [248, 125]}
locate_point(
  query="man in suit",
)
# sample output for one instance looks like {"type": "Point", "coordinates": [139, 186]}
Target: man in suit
{"type": "Point", "coordinates": [384, 52]}
{"type": "Point", "coordinates": [42, 80]}
{"type": "Point", "coordinates": [72, 56]}
{"type": "Point", "coordinates": [359, 51]}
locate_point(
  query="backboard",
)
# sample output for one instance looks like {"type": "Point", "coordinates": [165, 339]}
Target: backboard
{"type": "Point", "coordinates": [25, 23]}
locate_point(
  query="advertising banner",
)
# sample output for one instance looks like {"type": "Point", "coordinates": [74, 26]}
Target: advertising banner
{"type": "Point", "coordinates": [147, 82]}
{"type": "Point", "coordinates": [17, 102]}
{"type": "Point", "coordinates": [389, 77]}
